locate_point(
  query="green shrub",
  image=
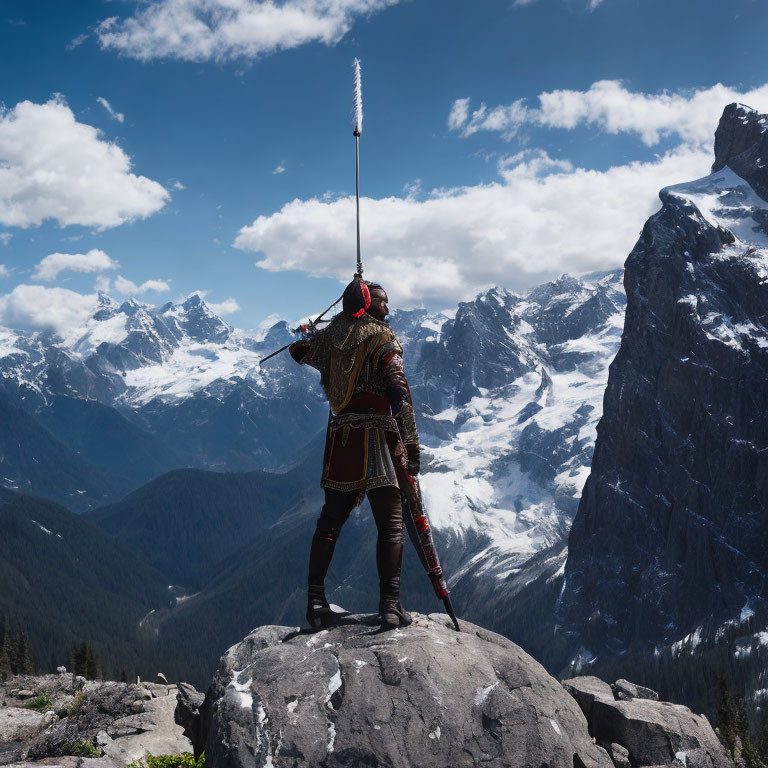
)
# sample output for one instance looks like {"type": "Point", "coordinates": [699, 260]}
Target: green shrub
{"type": "Point", "coordinates": [184, 760]}
{"type": "Point", "coordinates": [84, 749]}
{"type": "Point", "coordinates": [40, 704]}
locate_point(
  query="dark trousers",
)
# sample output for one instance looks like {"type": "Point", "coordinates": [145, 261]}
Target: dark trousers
{"type": "Point", "coordinates": [388, 514]}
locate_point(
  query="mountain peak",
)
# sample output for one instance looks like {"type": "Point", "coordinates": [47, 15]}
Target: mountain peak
{"type": "Point", "coordinates": [741, 143]}
{"type": "Point", "coordinates": [565, 284]}
{"type": "Point", "coordinates": [195, 300]}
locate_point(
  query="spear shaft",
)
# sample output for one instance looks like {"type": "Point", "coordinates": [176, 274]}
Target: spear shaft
{"type": "Point", "coordinates": [359, 272]}
{"type": "Point", "coordinates": [358, 115]}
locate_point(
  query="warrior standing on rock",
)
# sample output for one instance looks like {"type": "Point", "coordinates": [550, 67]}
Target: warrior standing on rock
{"type": "Point", "coordinates": [371, 440]}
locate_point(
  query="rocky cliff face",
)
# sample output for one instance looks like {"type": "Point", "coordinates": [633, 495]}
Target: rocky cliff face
{"type": "Point", "coordinates": [670, 535]}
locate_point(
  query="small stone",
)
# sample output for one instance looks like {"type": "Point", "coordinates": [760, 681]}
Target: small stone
{"type": "Point", "coordinates": [25, 694]}
{"type": "Point", "coordinates": [61, 670]}
{"type": "Point", "coordinates": [619, 755]}
{"type": "Point", "coordinates": [102, 739]}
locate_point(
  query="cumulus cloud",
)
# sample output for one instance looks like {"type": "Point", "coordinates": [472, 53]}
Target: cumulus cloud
{"type": "Point", "coordinates": [5, 237]}
{"type": "Point", "coordinates": [39, 308]}
{"type": "Point", "coordinates": [127, 287]}
{"type": "Point", "coordinates": [280, 169]}
{"type": "Point", "coordinates": [119, 116]}
{"type": "Point", "coordinates": [608, 105]}
{"type": "Point", "coordinates": [221, 30]}
{"type": "Point", "coordinates": [4, 271]}
{"type": "Point", "coordinates": [459, 114]}
{"type": "Point", "coordinates": [54, 167]}
{"type": "Point", "coordinates": [55, 263]}
{"type": "Point", "coordinates": [226, 307]}
{"type": "Point", "coordinates": [542, 217]}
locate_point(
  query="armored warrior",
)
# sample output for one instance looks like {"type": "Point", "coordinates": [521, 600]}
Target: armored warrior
{"type": "Point", "coordinates": [372, 445]}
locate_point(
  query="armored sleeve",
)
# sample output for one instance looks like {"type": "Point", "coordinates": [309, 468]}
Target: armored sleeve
{"type": "Point", "coordinates": [399, 394]}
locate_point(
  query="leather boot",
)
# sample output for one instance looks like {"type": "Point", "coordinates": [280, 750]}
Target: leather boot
{"type": "Point", "coordinates": [319, 613]}
{"type": "Point", "coordinates": [389, 556]}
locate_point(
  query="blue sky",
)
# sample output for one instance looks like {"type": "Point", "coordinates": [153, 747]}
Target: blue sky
{"type": "Point", "coordinates": [187, 193]}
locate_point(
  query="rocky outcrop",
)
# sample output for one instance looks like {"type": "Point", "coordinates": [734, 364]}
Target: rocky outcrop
{"type": "Point", "coordinates": [120, 721]}
{"type": "Point", "coordinates": [670, 534]}
{"type": "Point", "coordinates": [423, 696]}
{"type": "Point", "coordinates": [741, 141]}
{"type": "Point", "coordinates": [639, 731]}
{"type": "Point", "coordinates": [427, 696]}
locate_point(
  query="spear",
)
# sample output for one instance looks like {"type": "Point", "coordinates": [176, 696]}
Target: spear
{"type": "Point", "coordinates": [358, 118]}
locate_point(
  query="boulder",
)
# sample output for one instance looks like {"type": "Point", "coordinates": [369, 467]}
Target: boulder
{"type": "Point", "coordinates": [422, 696]}
{"type": "Point", "coordinates": [17, 724]}
{"type": "Point", "coordinates": [94, 709]}
{"type": "Point", "coordinates": [586, 689]}
{"type": "Point", "coordinates": [619, 755]}
{"type": "Point", "coordinates": [153, 732]}
{"type": "Point", "coordinates": [623, 690]}
{"type": "Point", "coordinates": [654, 733]}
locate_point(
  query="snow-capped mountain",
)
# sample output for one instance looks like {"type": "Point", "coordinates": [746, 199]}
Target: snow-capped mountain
{"type": "Point", "coordinates": [669, 543]}
{"type": "Point", "coordinates": [510, 391]}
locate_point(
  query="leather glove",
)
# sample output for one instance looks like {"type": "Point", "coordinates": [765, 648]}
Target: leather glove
{"type": "Point", "coordinates": [298, 349]}
{"type": "Point", "coordinates": [414, 461]}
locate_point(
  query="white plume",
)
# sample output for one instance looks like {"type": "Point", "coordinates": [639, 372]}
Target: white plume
{"type": "Point", "coordinates": [357, 106]}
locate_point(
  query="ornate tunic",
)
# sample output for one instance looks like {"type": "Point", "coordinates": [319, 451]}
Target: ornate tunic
{"type": "Point", "coordinates": [361, 369]}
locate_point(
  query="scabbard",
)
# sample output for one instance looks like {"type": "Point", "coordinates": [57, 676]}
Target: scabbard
{"type": "Point", "coordinates": [420, 534]}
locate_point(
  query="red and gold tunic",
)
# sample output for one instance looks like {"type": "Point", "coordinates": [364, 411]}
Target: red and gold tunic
{"type": "Point", "coordinates": [361, 368]}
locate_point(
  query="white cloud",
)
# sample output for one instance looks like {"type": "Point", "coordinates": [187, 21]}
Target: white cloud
{"type": "Point", "coordinates": [541, 218]}
{"type": "Point", "coordinates": [459, 114]}
{"type": "Point", "coordinates": [53, 264]}
{"type": "Point", "coordinates": [4, 271]}
{"type": "Point", "coordinates": [5, 237]}
{"type": "Point", "coordinates": [119, 116]}
{"type": "Point", "coordinates": [609, 106]}
{"type": "Point", "coordinates": [280, 169]}
{"type": "Point", "coordinates": [38, 307]}
{"type": "Point", "coordinates": [102, 283]}
{"type": "Point", "coordinates": [53, 167]}
{"type": "Point", "coordinates": [201, 30]}
{"type": "Point", "coordinates": [226, 307]}
{"type": "Point", "coordinates": [127, 287]}
{"type": "Point", "coordinates": [178, 186]}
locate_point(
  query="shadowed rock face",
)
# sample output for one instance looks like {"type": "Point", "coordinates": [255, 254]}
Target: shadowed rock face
{"type": "Point", "coordinates": [671, 529]}
{"type": "Point", "coordinates": [423, 696]}
{"type": "Point", "coordinates": [741, 143]}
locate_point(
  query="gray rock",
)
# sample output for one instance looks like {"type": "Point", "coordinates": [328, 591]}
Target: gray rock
{"type": "Point", "coordinates": [61, 670]}
{"type": "Point", "coordinates": [95, 707]}
{"type": "Point", "coordinates": [654, 733]}
{"type": "Point", "coordinates": [188, 716]}
{"type": "Point", "coordinates": [422, 696]}
{"type": "Point", "coordinates": [623, 690]}
{"type": "Point", "coordinates": [17, 724]}
{"type": "Point", "coordinates": [70, 762]}
{"type": "Point", "coordinates": [619, 755]}
{"type": "Point", "coordinates": [585, 690]}
{"type": "Point", "coordinates": [25, 694]}
{"type": "Point", "coordinates": [102, 739]}
{"type": "Point", "coordinates": [151, 732]}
